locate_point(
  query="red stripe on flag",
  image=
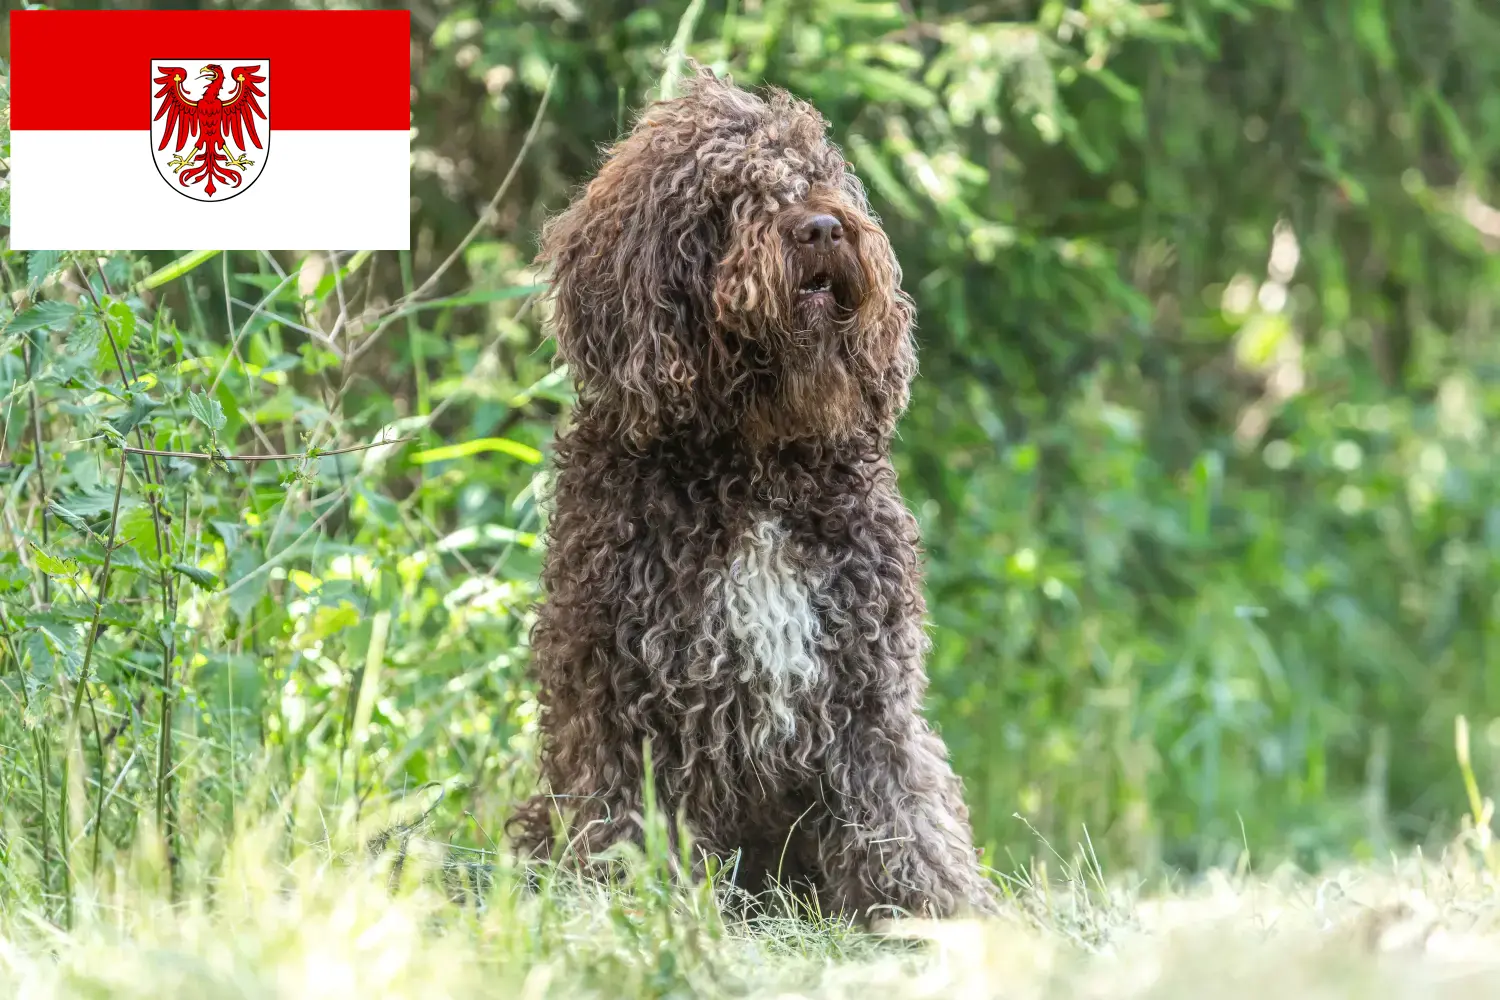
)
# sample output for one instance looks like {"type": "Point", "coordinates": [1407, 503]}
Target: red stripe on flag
{"type": "Point", "coordinates": [90, 70]}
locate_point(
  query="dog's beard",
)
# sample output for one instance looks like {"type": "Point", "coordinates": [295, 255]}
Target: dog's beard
{"type": "Point", "coordinates": [816, 393]}
{"type": "Point", "coordinates": [819, 358]}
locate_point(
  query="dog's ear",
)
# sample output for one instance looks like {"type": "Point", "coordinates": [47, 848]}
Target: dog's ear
{"type": "Point", "coordinates": [631, 261]}
{"type": "Point", "coordinates": [887, 352]}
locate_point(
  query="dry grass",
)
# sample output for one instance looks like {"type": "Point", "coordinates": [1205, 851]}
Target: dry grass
{"type": "Point", "coordinates": [300, 903]}
{"type": "Point", "coordinates": [257, 918]}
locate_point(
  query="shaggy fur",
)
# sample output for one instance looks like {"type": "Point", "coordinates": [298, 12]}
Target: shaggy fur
{"type": "Point", "coordinates": [731, 573]}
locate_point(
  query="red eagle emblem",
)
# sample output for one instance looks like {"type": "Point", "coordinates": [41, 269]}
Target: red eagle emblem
{"type": "Point", "coordinates": [209, 118]}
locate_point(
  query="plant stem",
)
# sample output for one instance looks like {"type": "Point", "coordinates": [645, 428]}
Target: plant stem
{"type": "Point", "coordinates": [168, 592]}
{"type": "Point", "coordinates": [37, 744]}
{"type": "Point", "coordinates": [419, 370]}
{"type": "Point", "coordinates": [286, 457]}
{"type": "Point", "coordinates": [41, 468]}
{"type": "Point", "coordinates": [76, 710]}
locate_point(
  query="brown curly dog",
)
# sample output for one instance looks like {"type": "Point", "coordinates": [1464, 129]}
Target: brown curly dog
{"type": "Point", "coordinates": [731, 574]}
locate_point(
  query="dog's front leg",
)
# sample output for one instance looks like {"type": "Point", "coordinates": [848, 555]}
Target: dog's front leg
{"type": "Point", "coordinates": [898, 839]}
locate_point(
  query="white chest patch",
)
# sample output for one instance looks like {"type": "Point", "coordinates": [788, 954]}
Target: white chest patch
{"type": "Point", "coordinates": [771, 616]}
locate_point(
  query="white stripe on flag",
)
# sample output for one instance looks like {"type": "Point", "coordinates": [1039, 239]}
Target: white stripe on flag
{"type": "Point", "coordinates": [319, 190]}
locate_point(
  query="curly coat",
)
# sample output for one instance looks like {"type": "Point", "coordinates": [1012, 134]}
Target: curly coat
{"type": "Point", "coordinates": [732, 576]}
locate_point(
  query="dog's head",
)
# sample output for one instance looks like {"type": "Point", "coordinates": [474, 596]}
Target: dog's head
{"type": "Point", "coordinates": [723, 272]}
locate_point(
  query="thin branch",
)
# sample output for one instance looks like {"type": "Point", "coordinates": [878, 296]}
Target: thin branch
{"type": "Point", "coordinates": [338, 287]}
{"type": "Point", "coordinates": [164, 821]}
{"type": "Point", "coordinates": [83, 680]}
{"type": "Point", "coordinates": [486, 218]}
{"type": "Point", "coordinates": [291, 324]}
{"type": "Point", "coordinates": [36, 448]}
{"type": "Point", "coordinates": [289, 457]}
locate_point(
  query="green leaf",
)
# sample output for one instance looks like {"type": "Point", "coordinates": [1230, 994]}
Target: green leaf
{"type": "Point", "coordinates": [230, 532]}
{"type": "Point", "coordinates": [245, 561]}
{"type": "Point", "coordinates": [122, 325]}
{"type": "Point", "coordinates": [199, 575]}
{"type": "Point", "coordinates": [207, 411]}
{"type": "Point", "coordinates": [13, 578]}
{"type": "Point", "coordinates": [141, 406]}
{"type": "Point", "coordinates": [40, 265]}
{"type": "Point", "coordinates": [68, 517]}
{"type": "Point", "coordinates": [138, 529]}
{"type": "Point", "coordinates": [377, 506]}
{"type": "Point", "coordinates": [127, 558]}
{"type": "Point", "coordinates": [44, 314]}
{"type": "Point", "coordinates": [81, 352]}
{"type": "Point", "coordinates": [505, 446]}
{"type": "Point", "coordinates": [64, 642]}
{"type": "Point", "coordinates": [52, 652]}
{"type": "Point", "coordinates": [95, 501]}
{"type": "Point", "coordinates": [120, 615]}
{"type": "Point", "coordinates": [873, 168]}
{"type": "Point", "coordinates": [880, 84]}
{"type": "Point", "coordinates": [231, 681]}
{"type": "Point", "coordinates": [234, 419]}
{"type": "Point", "coordinates": [53, 565]}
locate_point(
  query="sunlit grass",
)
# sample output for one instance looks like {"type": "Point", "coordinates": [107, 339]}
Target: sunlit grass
{"type": "Point", "coordinates": [294, 904]}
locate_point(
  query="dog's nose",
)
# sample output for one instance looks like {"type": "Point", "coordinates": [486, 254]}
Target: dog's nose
{"type": "Point", "coordinates": [821, 233]}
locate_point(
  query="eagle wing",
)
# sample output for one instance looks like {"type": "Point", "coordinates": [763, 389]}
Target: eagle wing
{"type": "Point", "coordinates": [181, 110]}
{"type": "Point", "coordinates": [241, 109]}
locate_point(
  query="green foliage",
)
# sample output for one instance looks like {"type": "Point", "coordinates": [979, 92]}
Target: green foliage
{"type": "Point", "coordinates": [1200, 446]}
{"type": "Point", "coordinates": [237, 598]}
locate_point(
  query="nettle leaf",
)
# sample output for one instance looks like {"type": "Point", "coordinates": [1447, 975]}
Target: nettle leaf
{"type": "Point", "coordinates": [120, 615]}
{"type": "Point", "coordinates": [110, 613]}
{"type": "Point", "coordinates": [13, 578]}
{"type": "Point", "coordinates": [141, 406]}
{"type": "Point", "coordinates": [61, 645]}
{"type": "Point", "coordinates": [57, 315]}
{"type": "Point", "coordinates": [81, 353]}
{"type": "Point", "coordinates": [117, 270]}
{"type": "Point", "coordinates": [245, 561]}
{"type": "Point", "coordinates": [53, 565]}
{"type": "Point", "coordinates": [72, 611]}
{"type": "Point", "coordinates": [122, 324]}
{"type": "Point", "coordinates": [207, 411]}
{"type": "Point", "coordinates": [95, 501]}
{"type": "Point", "coordinates": [41, 265]}
{"type": "Point", "coordinates": [199, 575]}
{"type": "Point", "coordinates": [40, 652]}
{"type": "Point", "coordinates": [235, 420]}
{"type": "Point", "coordinates": [138, 529]}
{"type": "Point", "coordinates": [68, 517]}
{"type": "Point", "coordinates": [230, 532]}
{"type": "Point", "coordinates": [127, 558]}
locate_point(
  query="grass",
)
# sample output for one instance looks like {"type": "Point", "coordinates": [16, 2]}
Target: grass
{"type": "Point", "coordinates": [302, 903]}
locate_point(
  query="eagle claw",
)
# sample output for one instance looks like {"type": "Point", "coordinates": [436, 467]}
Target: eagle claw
{"type": "Point", "coordinates": [179, 161]}
{"type": "Point", "coordinates": [240, 162]}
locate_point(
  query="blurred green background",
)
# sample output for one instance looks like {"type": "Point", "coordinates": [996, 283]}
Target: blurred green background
{"type": "Point", "coordinates": [1200, 444]}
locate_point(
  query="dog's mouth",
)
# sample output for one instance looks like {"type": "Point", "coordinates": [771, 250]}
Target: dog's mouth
{"type": "Point", "coordinates": [816, 285]}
